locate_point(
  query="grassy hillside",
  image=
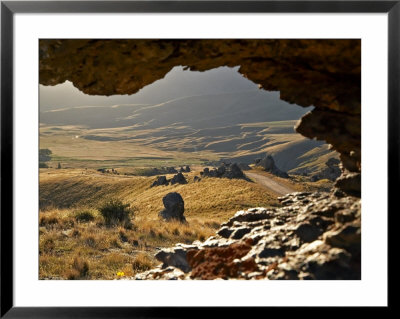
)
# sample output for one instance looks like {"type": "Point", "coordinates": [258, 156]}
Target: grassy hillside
{"type": "Point", "coordinates": [67, 243]}
{"type": "Point", "coordinates": [74, 146]}
{"type": "Point", "coordinates": [189, 130]}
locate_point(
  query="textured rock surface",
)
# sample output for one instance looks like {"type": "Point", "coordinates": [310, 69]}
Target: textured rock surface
{"type": "Point", "coordinates": [322, 73]}
{"type": "Point", "coordinates": [332, 171]}
{"type": "Point", "coordinates": [174, 207]}
{"type": "Point", "coordinates": [178, 179]}
{"type": "Point", "coordinates": [268, 164]}
{"type": "Point", "coordinates": [161, 180]}
{"type": "Point", "coordinates": [224, 171]}
{"type": "Point", "coordinates": [313, 236]}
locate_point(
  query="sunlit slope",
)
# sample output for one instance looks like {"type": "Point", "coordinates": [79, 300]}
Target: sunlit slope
{"type": "Point", "coordinates": [195, 112]}
{"type": "Point", "coordinates": [237, 126]}
{"type": "Point", "coordinates": [211, 198]}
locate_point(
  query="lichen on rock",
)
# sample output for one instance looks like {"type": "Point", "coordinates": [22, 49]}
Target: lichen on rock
{"type": "Point", "coordinates": [313, 236]}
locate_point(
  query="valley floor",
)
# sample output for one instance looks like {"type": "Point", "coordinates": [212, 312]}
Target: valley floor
{"type": "Point", "coordinates": [271, 184]}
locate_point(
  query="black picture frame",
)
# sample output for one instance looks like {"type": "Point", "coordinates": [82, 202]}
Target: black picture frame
{"type": "Point", "coordinates": [9, 8]}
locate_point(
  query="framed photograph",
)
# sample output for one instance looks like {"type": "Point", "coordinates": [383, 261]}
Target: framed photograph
{"type": "Point", "coordinates": [164, 155]}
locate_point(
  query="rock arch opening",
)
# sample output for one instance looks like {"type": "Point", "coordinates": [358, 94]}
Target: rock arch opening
{"type": "Point", "coordinates": [323, 73]}
{"type": "Point", "coordinates": [307, 235]}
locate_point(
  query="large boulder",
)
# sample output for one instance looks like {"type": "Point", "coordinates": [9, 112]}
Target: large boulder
{"type": "Point", "coordinates": [225, 170]}
{"type": "Point", "coordinates": [174, 207]}
{"type": "Point", "coordinates": [233, 171]}
{"type": "Point", "coordinates": [161, 180]}
{"type": "Point", "coordinates": [185, 169]}
{"type": "Point", "coordinates": [178, 179]}
{"type": "Point", "coordinates": [268, 164]}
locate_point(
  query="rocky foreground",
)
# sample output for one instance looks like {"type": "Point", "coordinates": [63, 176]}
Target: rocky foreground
{"type": "Point", "coordinates": [313, 236]}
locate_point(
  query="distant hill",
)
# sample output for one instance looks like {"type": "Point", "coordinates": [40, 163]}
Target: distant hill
{"type": "Point", "coordinates": [195, 112]}
{"type": "Point", "coordinates": [239, 126]}
{"type": "Point", "coordinates": [216, 81]}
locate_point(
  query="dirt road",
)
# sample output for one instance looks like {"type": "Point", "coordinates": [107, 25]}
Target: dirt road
{"type": "Point", "coordinates": [271, 184]}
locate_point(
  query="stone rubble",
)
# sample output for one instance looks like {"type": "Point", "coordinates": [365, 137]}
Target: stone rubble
{"type": "Point", "coordinates": [312, 236]}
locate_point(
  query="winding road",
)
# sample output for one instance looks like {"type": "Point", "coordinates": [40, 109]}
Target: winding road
{"type": "Point", "coordinates": [271, 184]}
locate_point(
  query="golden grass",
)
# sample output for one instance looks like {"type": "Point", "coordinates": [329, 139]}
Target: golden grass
{"type": "Point", "coordinates": [107, 251]}
{"type": "Point", "coordinates": [210, 198]}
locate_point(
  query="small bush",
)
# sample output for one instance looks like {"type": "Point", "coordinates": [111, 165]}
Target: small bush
{"type": "Point", "coordinates": [122, 236]}
{"type": "Point", "coordinates": [90, 241]}
{"type": "Point", "coordinates": [80, 269]}
{"type": "Point", "coordinates": [116, 212]}
{"type": "Point", "coordinates": [68, 224]}
{"type": "Point", "coordinates": [48, 221]}
{"type": "Point", "coordinates": [84, 216]}
{"type": "Point", "coordinates": [47, 246]}
{"type": "Point", "coordinates": [44, 155]}
{"type": "Point", "coordinates": [43, 165]}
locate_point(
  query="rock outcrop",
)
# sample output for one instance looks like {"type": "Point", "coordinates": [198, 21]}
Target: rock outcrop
{"type": "Point", "coordinates": [244, 166]}
{"type": "Point", "coordinates": [268, 164]}
{"type": "Point", "coordinates": [161, 180]}
{"type": "Point", "coordinates": [178, 179]}
{"type": "Point", "coordinates": [313, 236]}
{"type": "Point", "coordinates": [331, 172]}
{"type": "Point", "coordinates": [185, 169]}
{"type": "Point", "coordinates": [174, 207]}
{"type": "Point", "coordinates": [224, 171]}
{"type": "Point", "coordinates": [323, 73]}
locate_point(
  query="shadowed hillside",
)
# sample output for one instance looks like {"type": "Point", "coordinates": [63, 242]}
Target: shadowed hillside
{"type": "Point", "coordinates": [208, 127]}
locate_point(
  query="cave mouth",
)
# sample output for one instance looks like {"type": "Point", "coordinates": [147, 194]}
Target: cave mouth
{"type": "Point", "coordinates": [218, 116]}
{"type": "Point", "coordinates": [322, 73]}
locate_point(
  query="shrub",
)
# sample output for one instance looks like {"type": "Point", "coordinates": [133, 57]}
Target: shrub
{"type": "Point", "coordinates": [47, 246]}
{"type": "Point", "coordinates": [141, 263]}
{"type": "Point", "coordinates": [90, 241]}
{"type": "Point", "coordinates": [44, 155]}
{"type": "Point", "coordinates": [48, 222]}
{"type": "Point", "coordinates": [80, 269]}
{"type": "Point", "coordinates": [116, 212]}
{"type": "Point", "coordinates": [84, 216]}
{"type": "Point", "coordinates": [122, 236]}
{"type": "Point", "coordinates": [43, 165]}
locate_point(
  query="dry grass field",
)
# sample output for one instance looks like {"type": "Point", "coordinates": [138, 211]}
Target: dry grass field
{"type": "Point", "coordinates": [76, 243]}
{"type": "Point", "coordinates": [75, 240]}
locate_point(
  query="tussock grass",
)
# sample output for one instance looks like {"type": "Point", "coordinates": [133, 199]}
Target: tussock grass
{"type": "Point", "coordinates": [71, 225]}
{"type": "Point", "coordinates": [79, 269]}
{"type": "Point", "coordinates": [112, 250]}
{"type": "Point", "coordinates": [212, 197]}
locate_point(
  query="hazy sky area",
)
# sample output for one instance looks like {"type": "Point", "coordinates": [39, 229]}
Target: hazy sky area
{"type": "Point", "coordinates": [177, 83]}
